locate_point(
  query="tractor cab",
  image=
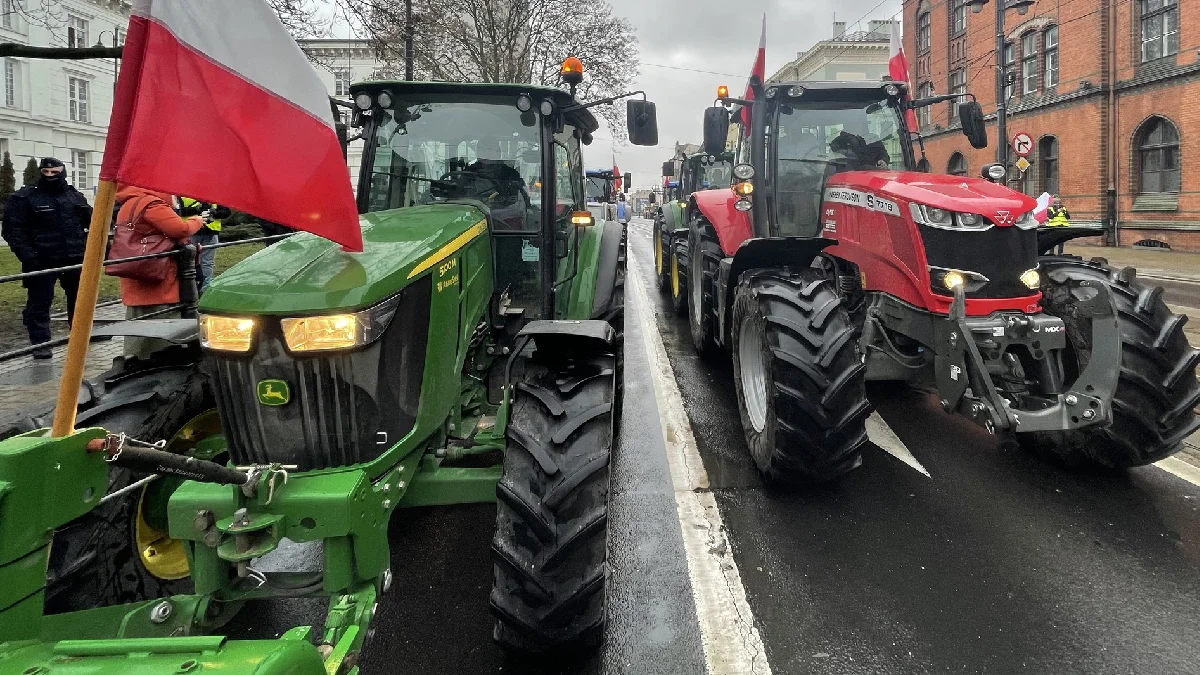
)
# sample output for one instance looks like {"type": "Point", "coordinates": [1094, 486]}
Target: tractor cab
{"type": "Point", "coordinates": [703, 171]}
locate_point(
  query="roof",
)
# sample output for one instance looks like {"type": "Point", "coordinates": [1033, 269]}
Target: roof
{"type": "Point", "coordinates": [863, 36]}
{"type": "Point", "coordinates": [562, 99]}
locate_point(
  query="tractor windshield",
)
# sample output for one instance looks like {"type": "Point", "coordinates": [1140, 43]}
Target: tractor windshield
{"type": "Point", "coordinates": [598, 189]}
{"type": "Point", "coordinates": [816, 139]}
{"type": "Point", "coordinates": [436, 151]}
{"type": "Point", "coordinates": [719, 174]}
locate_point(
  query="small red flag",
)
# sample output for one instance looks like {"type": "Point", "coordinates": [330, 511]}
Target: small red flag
{"type": "Point", "coordinates": [759, 68]}
{"type": "Point", "coordinates": [898, 70]}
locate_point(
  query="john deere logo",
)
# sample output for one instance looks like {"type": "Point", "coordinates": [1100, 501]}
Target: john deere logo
{"type": "Point", "coordinates": [273, 392]}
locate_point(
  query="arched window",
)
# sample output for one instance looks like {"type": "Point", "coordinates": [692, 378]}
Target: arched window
{"type": "Point", "coordinates": [1048, 154]}
{"type": "Point", "coordinates": [1158, 156]}
{"type": "Point", "coordinates": [957, 165]}
{"type": "Point", "coordinates": [923, 24]}
{"type": "Point", "coordinates": [923, 165]}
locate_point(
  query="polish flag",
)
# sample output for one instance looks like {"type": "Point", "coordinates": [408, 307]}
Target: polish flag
{"type": "Point", "coordinates": [1041, 212]}
{"type": "Point", "coordinates": [760, 69]}
{"type": "Point", "coordinates": [898, 70]}
{"type": "Point", "coordinates": [216, 101]}
{"type": "Point", "coordinates": [617, 173]}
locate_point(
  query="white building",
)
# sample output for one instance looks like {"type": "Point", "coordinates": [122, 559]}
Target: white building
{"type": "Point", "coordinates": [340, 62]}
{"type": "Point", "coordinates": [860, 55]}
{"type": "Point", "coordinates": [59, 108]}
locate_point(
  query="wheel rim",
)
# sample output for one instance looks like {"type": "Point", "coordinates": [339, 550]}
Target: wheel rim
{"type": "Point", "coordinates": [696, 287]}
{"type": "Point", "coordinates": [658, 258]}
{"type": "Point", "coordinates": [674, 275]}
{"type": "Point", "coordinates": [162, 556]}
{"type": "Point", "coordinates": [753, 373]}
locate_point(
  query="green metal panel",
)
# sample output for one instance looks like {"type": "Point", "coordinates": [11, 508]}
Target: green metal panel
{"type": "Point", "coordinates": [156, 656]}
{"type": "Point", "coordinates": [306, 274]}
{"type": "Point", "coordinates": [451, 485]}
{"type": "Point", "coordinates": [575, 299]}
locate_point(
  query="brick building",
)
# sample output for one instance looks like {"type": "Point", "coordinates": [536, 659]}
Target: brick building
{"type": "Point", "coordinates": [1101, 86]}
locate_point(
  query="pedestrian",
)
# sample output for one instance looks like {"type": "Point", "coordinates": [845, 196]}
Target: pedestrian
{"type": "Point", "coordinates": [622, 209]}
{"type": "Point", "coordinates": [213, 215]}
{"type": "Point", "coordinates": [1058, 216]}
{"type": "Point", "coordinates": [151, 211]}
{"type": "Point", "coordinates": [45, 225]}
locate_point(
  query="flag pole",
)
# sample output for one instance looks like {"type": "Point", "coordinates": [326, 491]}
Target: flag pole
{"type": "Point", "coordinates": [85, 311]}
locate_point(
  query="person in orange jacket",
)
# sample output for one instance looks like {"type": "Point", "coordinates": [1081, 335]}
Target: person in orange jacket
{"type": "Point", "coordinates": [147, 297]}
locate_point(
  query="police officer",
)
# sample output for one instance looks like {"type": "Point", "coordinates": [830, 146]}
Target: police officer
{"type": "Point", "coordinates": [206, 237]}
{"type": "Point", "coordinates": [45, 225]}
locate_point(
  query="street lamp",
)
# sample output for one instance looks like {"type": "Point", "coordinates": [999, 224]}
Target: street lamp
{"type": "Point", "coordinates": [116, 61]}
{"type": "Point", "coordinates": [1022, 7]}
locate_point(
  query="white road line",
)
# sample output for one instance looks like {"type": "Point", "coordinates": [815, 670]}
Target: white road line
{"type": "Point", "coordinates": [732, 645]}
{"type": "Point", "coordinates": [882, 435]}
{"type": "Point", "coordinates": [1180, 468]}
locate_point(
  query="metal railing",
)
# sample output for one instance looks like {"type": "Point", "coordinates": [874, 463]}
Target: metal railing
{"type": "Point", "coordinates": [186, 274]}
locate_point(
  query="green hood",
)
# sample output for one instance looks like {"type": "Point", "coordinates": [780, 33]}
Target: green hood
{"type": "Point", "coordinates": [305, 273]}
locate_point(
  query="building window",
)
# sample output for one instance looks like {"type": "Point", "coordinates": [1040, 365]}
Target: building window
{"type": "Point", "coordinates": [1050, 56]}
{"type": "Point", "coordinates": [957, 165]}
{"type": "Point", "coordinates": [77, 32]}
{"type": "Point", "coordinates": [77, 94]}
{"type": "Point", "coordinates": [341, 82]}
{"type": "Point", "coordinates": [958, 85]}
{"type": "Point", "coordinates": [12, 83]}
{"type": "Point", "coordinates": [1048, 153]}
{"type": "Point", "coordinates": [923, 113]}
{"type": "Point", "coordinates": [958, 17]}
{"type": "Point", "coordinates": [1158, 156]}
{"type": "Point", "coordinates": [1010, 65]}
{"type": "Point", "coordinates": [10, 14]}
{"type": "Point", "coordinates": [923, 32]}
{"type": "Point", "coordinates": [80, 176]}
{"type": "Point", "coordinates": [1029, 69]}
{"type": "Point", "coordinates": [1160, 28]}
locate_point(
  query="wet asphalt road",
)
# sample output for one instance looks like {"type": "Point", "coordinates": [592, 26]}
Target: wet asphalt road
{"type": "Point", "coordinates": [997, 563]}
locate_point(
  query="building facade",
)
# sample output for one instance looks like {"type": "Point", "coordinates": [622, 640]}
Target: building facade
{"type": "Point", "coordinates": [1100, 87]}
{"type": "Point", "coordinates": [59, 108]}
{"type": "Point", "coordinates": [340, 62]}
{"type": "Point", "coordinates": [860, 55]}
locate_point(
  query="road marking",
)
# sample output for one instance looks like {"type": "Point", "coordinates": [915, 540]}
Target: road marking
{"type": "Point", "coordinates": [1180, 468]}
{"type": "Point", "coordinates": [879, 433]}
{"type": "Point", "coordinates": [732, 645]}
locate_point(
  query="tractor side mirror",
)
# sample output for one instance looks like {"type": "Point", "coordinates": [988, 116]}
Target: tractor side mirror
{"type": "Point", "coordinates": [970, 114]}
{"type": "Point", "coordinates": [716, 129]}
{"type": "Point", "coordinates": [668, 169]}
{"type": "Point", "coordinates": [626, 182]}
{"type": "Point", "coordinates": [641, 117]}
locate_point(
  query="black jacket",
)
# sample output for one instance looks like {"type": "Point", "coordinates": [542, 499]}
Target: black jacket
{"type": "Point", "coordinates": [44, 226]}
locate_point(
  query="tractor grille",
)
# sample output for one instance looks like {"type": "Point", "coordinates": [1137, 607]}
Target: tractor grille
{"type": "Point", "coordinates": [1001, 254]}
{"type": "Point", "coordinates": [345, 407]}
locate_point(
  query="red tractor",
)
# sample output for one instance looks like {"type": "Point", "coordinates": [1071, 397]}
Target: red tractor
{"type": "Point", "coordinates": [830, 262]}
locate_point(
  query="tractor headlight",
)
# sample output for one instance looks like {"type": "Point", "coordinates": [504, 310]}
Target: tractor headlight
{"type": "Point", "coordinates": [743, 171]}
{"type": "Point", "coordinates": [226, 333]}
{"type": "Point", "coordinates": [948, 220]}
{"type": "Point", "coordinates": [363, 101]}
{"type": "Point", "coordinates": [744, 188]}
{"type": "Point", "coordinates": [1031, 279]}
{"type": "Point", "coordinates": [952, 280]}
{"type": "Point", "coordinates": [949, 279]}
{"type": "Point", "coordinates": [384, 99]}
{"type": "Point", "coordinates": [339, 331]}
{"type": "Point", "coordinates": [743, 205]}
{"type": "Point", "coordinates": [1026, 221]}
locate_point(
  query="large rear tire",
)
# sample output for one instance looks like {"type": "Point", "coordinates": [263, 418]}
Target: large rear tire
{"type": "Point", "coordinates": [550, 546]}
{"type": "Point", "coordinates": [799, 377]}
{"type": "Point", "coordinates": [119, 552]}
{"type": "Point", "coordinates": [704, 257]}
{"type": "Point", "coordinates": [1157, 390]}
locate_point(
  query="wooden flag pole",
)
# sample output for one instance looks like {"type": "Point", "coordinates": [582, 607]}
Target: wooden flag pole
{"type": "Point", "coordinates": [85, 311]}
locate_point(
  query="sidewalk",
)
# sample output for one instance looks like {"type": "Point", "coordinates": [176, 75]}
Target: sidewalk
{"type": "Point", "coordinates": [1171, 265]}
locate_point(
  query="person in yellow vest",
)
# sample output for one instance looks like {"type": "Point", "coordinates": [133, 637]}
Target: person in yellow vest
{"type": "Point", "coordinates": [1058, 217]}
{"type": "Point", "coordinates": [206, 237]}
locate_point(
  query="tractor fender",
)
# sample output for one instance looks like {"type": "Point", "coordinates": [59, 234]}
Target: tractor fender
{"type": "Point", "coordinates": [776, 252]}
{"type": "Point", "coordinates": [732, 226]}
{"type": "Point", "coordinates": [568, 336]}
{"type": "Point", "coordinates": [606, 267]}
{"type": "Point", "coordinates": [668, 219]}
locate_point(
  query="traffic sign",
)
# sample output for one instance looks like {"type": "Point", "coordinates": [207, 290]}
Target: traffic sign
{"type": "Point", "coordinates": [1022, 144]}
{"type": "Point", "coordinates": [1022, 164]}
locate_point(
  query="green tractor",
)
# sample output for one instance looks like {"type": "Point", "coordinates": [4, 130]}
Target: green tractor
{"type": "Point", "coordinates": [696, 172]}
{"type": "Point", "coordinates": [471, 353]}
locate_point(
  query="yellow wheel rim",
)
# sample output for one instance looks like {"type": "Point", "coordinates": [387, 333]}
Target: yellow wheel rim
{"type": "Point", "coordinates": [674, 276]}
{"type": "Point", "coordinates": [162, 556]}
{"type": "Point", "coordinates": [658, 261]}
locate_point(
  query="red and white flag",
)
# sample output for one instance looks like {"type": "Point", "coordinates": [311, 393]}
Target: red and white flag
{"type": "Point", "coordinates": [216, 101]}
{"type": "Point", "coordinates": [760, 69]}
{"type": "Point", "coordinates": [1041, 212]}
{"type": "Point", "coordinates": [617, 173]}
{"type": "Point", "coordinates": [898, 70]}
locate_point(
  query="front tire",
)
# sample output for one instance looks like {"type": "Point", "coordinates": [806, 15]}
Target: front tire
{"type": "Point", "coordinates": [704, 256]}
{"type": "Point", "coordinates": [799, 377]}
{"type": "Point", "coordinates": [550, 544]}
{"type": "Point", "coordinates": [678, 283]}
{"type": "Point", "coordinates": [1157, 389]}
{"type": "Point", "coordinates": [662, 271]}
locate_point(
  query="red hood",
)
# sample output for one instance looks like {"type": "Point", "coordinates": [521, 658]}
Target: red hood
{"type": "Point", "coordinates": [954, 193]}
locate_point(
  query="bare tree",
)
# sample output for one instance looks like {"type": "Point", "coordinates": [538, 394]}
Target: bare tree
{"type": "Point", "coordinates": [302, 18]}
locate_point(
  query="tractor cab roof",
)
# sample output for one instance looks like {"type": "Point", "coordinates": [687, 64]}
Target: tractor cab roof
{"type": "Point", "coordinates": [448, 90]}
{"type": "Point", "coordinates": [834, 90]}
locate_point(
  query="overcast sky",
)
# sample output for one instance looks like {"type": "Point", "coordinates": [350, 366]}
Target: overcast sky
{"type": "Point", "coordinates": [719, 36]}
